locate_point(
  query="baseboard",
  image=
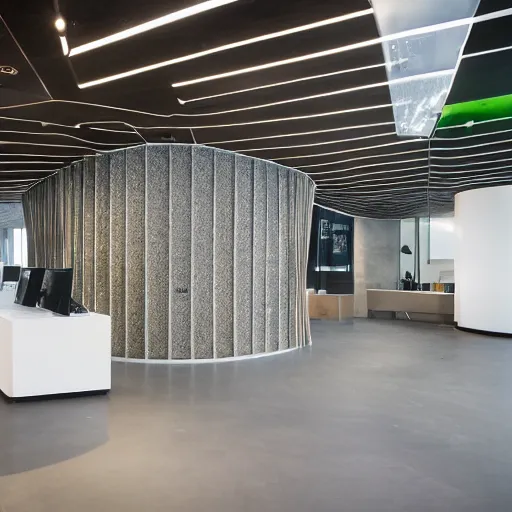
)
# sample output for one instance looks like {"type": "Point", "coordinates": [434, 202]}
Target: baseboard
{"type": "Point", "coordinates": [485, 333]}
{"type": "Point", "coordinates": [58, 396]}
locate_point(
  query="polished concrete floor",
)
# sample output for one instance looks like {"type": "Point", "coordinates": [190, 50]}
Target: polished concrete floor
{"type": "Point", "coordinates": [377, 416]}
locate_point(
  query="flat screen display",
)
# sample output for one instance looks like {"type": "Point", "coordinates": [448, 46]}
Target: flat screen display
{"type": "Point", "coordinates": [56, 290]}
{"type": "Point", "coordinates": [11, 274]}
{"type": "Point", "coordinates": [28, 290]}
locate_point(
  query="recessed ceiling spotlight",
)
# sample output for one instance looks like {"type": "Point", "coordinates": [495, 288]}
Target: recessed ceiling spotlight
{"type": "Point", "coordinates": [60, 25]}
{"type": "Point", "coordinates": [8, 70]}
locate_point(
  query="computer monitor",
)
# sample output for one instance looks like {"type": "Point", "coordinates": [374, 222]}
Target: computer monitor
{"type": "Point", "coordinates": [56, 290]}
{"type": "Point", "coordinates": [28, 290]}
{"type": "Point", "coordinates": [11, 274]}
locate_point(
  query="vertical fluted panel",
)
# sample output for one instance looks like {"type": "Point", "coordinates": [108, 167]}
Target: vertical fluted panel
{"type": "Point", "coordinates": [89, 232]}
{"type": "Point", "coordinates": [196, 252]}
{"type": "Point", "coordinates": [223, 234]}
{"type": "Point", "coordinates": [292, 260]}
{"type": "Point", "coordinates": [272, 260]}
{"type": "Point", "coordinates": [259, 257]}
{"type": "Point", "coordinates": [180, 252]}
{"type": "Point", "coordinates": [244, 190]}
{"type": "Point", "coordinates": [78, 231]}
{"type": "Point", "coordinates": [135, 253]}
{"type": "Point", "coordinates": [284, 341]}
{"type": "Point", "coordinates": [202, 254]}
{"type": "Point", "coordinates": [69, 199]}
{"type": "Point", "coordinates": [157, 256]}
{"type": "Point", "coordinates": [118, 252]}
{"type": "Point", "coordinates": [102, 235]}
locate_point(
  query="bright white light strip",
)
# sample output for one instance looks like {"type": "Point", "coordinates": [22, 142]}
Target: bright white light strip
{"type": "Point", "coordinates": [326, 94]}
{"type": "Point", "coordinates": [487, 52]}
{"type": "Point", "coordinates": [473, 123]}
{"type": "Point", "coordinates": [288, 82]}
{"type": "Point", "coordinates": [64, 44]}
{"type": "Point", "coordinates": [449, 186]}
{"type": "Point", "coordinates": [487, 134]}
{"type": "Point", "coordinates": [16, 171]}
{"type": "Point", "coordinates": [333, 51]}
{"type": "Point", "coordinates": [49, 145]}
{"type": "Point", "coordinates": [371, 180]}
{"type": "Point", "coordinates": [313, 175]}
{"type": "Point", "coordinates": [471, 163]}
{"type": "Point", "coordinates": [298, 134]}
{"type": "Point", "coordinates": [342, 141]}
{"type": "Point", "coordinates": [362, 158]}
{"type": "Point", "coordinates": [225, 47]}
{"type": "Point", "coordinates": [440, 174]}
{"type": "Point", "coordinates": [32, 162]}
{"type": "Point", "coordinates": [44, 156]}
{"type": "Point", "coordinates": [69, 136]}
{"type": "Point", "coordinates": [458, 179]}
{"type": "Point", "coordinates": [382, 191]}
{"type": "Point", "coordinates": [366, 148]}
{"type": "Point", "coordinates": [150, 25]}
{"type": "Point", "coordinates": [473, 146]}
{"type": "Point", "coordinates": [110, 130]}
{"type": "Point", "coordinates": [470, 156]}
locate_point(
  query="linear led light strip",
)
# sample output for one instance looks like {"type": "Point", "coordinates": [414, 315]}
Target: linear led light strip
{"type": "Point", "coordinates": [50, 145]}
{"type": "Point", "coordinates": [16, 171]}
{"type": "Point", "coordinates": [470, 156]}
{"type": "Point", "coordinates": [473, 146]}
{"type": "Point", "coordinates": [469, 124]}
{"type": "Point", "coordinates": [366, 148]}
{"type": "Point", "coordinates": [387, 134]}
{"type": "Point", "coordinates": [443, 173]}
{"type": "Point", "coordinates": [364, 167]}
{"type": "Point", "coordinates": [363, 158]}
{"type": "Point", "coordinates": [333, 51]}
{"type": "Point", "coordinates": [400, 189]}
{"type": "Point", "coordinates": [150, 25]}
{"type": "Point", "coordinates": [471, 182]}
{"type": "Point", "coordinates": [465, 178]}
{"type": "Point", "coordinates": [225, 47]}
{"type": "Point", "coordinates": [325, 94]}
{"type": "Point", "coordinates": [28, 162]}
{"type": "Point", "coordinates": [288, 82]}
{"type": "Point", "coordinates": [45, 156]}
{"type": "Point", "coordinates": [472, 163]}
{"type": "Point", "coordinates": [487, 134]}
{"type": "Point", "coordinates": [298, 134]}
{"type": "Point", "coordinates": [70, 136]}
{"type": "Point", "coordinates": [396, 177]}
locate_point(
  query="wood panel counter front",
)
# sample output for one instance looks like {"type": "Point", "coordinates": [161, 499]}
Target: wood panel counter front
{"type": "Point", "coordinates": [435, 303]}
{"type": "Point", "coordinates": [330, 307]}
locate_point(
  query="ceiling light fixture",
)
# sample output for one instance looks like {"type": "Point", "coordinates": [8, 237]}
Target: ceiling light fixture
{"type": "Point", "coordinates": [150, 25]}
{"type": "Point", "coordinates": [298, 134]}
{"type": "Point", "coordinates": [287, 82]}
{"type": "Point", "coordinates": [64, 44]}
{"type": "Point", "coordinates": [366, 148]}
{"type": "Point", "coordinates": [363, 158]}
{"type": "Point", "coordinates": [314, 144]}
{"type": "Point", "coordinates": [338, 171]}
{"type": "Point", "coordinates": [458, 157]}
{"type": "Point", "coordinates": [225, 47]}
{"type": "Point", "coordinates": [60, 25]}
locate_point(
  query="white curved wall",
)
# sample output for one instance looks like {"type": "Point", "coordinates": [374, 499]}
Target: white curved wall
{"type": "Point", "coordinates": [483, 259]}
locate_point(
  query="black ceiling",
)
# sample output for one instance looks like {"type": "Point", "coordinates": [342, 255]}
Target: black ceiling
{"type": "Point", "coordinates": [345, 141]}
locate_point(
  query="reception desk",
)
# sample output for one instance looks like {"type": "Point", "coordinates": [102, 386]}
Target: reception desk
{"type": "Point", "coordinates": [411, 302]}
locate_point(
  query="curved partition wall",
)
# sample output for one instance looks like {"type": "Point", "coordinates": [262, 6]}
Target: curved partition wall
{"type": "Point", "coordinates": [483, 256]}
{"type": "Point", "coordinates": [196, 253]}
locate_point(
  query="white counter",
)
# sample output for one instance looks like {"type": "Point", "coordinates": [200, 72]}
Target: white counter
{"type": "Point", "coordinates": [45, 354]}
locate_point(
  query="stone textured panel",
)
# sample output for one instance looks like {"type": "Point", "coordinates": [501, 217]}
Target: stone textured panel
{"type": "Point", "coordinates": [292, 261]}
{"type": "Point", "coordinates": [244, 187]}
{"type": "Point", "coordinates": [202, 253]}
{"type": "Point", "coordinates": [118, 252]}
{"type": "Point", "coordinates": [135, 253]}
{"type": "Point", "coordinates": [272, 260]}
{"type": "Point", "coordinates": [89, 233]}
{"type": "Point", "coordinates": [223, 233]}
{"type": "Point", "coordinates": [102, 235]}
{"type": "Point", "coordinates": [157, 259]}
{"type": "Point", "coordinates": [284, 341]}
{"type": "Point", "coordinates": [259, 257]}
{"type": "Point", "coordinates": [180, 252]}
{"type": "Point", "coordinates": [78, 231]}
